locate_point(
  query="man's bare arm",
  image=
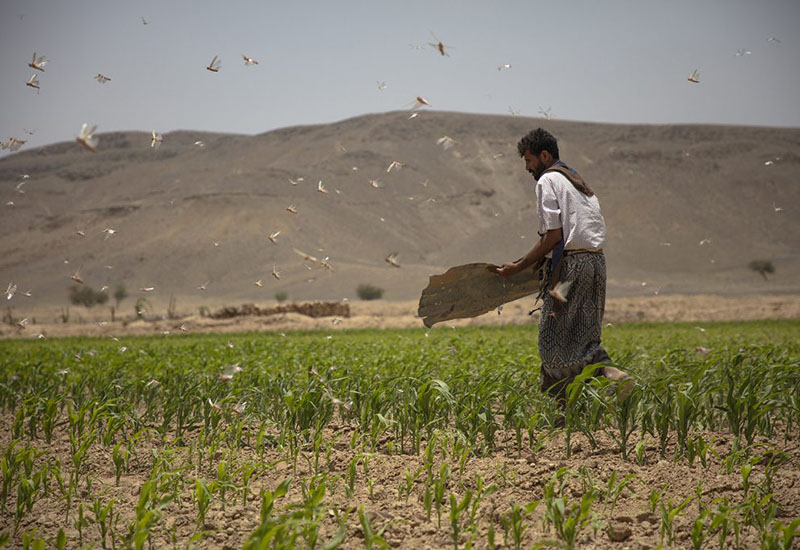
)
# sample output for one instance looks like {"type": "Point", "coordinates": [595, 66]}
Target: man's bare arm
{"type": "Point", "coordinates": [547, 243]}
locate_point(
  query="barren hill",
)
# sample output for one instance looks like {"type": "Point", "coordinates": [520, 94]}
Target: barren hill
{"type": "Point", "coordinates": [186, 214]}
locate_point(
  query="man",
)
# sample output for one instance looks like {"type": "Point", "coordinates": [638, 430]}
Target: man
{"type": "Point", "coordinates": [572, 235]}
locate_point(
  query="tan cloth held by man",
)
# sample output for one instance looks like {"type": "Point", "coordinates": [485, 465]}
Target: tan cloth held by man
{"type": "Point", "coordinates": [471, 290]}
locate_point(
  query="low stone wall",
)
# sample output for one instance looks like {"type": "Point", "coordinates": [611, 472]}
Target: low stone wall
{"type": "Point", "coordinates": [310, 309]}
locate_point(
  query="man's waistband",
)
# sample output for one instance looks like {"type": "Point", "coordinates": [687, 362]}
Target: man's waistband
{"type": "Point", "coordinates": [583, 251]}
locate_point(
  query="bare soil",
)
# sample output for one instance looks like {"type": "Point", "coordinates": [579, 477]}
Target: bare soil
{"type": "Point", "coordinates": [518, 479]}
{"type": "Point", "coordinates": [383, 314]}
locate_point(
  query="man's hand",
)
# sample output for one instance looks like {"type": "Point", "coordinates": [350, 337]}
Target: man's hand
{"type": "Point", "coordinates": [545, 244]}
{"type": "Point", "coordinates": [506, 270]}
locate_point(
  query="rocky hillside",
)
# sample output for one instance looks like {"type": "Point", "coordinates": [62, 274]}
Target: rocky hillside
{"type": "Point", "coordinates": [192, 220]}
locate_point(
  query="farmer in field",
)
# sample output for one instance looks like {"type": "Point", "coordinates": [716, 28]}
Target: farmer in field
{"type": "Point", "coordinates": [572, 235]}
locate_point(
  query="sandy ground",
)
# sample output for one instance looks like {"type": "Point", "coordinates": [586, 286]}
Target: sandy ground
{"type": "Point", "coordinates": [383, 314]}
{"type": "Point", "coordinates": [518, 478]}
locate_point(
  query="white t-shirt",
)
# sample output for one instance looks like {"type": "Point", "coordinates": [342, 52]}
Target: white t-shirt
{"type": "Point", "coordinates": [559, 204]}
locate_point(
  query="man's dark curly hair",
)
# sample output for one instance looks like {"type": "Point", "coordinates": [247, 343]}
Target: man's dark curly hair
{"type": "Point", "coordinates": [538, 140]}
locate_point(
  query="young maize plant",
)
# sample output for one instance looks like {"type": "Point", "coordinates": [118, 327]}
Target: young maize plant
{"type": "Point", "coordinates": [454, 421]}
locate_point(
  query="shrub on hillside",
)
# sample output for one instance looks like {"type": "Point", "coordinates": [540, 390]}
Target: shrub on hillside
{"type": "Point", "coordinates": [120, 293]}
{"type": "Point", "coordinates": [369, 292]}
{"type": "Point", "coordinates": [762, 267]}
{"type": "Point", "coordinates": [86, 296]}
{"type": "Point", "coordinates": [141, 307]}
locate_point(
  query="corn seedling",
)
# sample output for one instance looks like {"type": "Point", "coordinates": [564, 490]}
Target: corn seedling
{"type": "Point", "coordinates": [697, 534]}
{"type": "Point", "coordinates": [223, 481]}
{"type": "Point", "coordinates": [625, 409]}
{"type": "Point", "coordinates": [102, 517]}
{"type": "Point", "coordinates": [427, 501]}
{"type": "Point", "coordinates": [481, 492]}
{"type": "Point", "coordinates": [568, 519]}
{"type": "Point", "coordinates": [612, 492]}
{"type": "Point", "coordinates": [583, 407]}
{"type": "Point", "coordinates": [724, 520]}
{"type": "Point", "coordinates": [350, 478]}
{"type": "Point", "coordinates": [31, 542]}
{"type": "Point", "coordinates": [409, 481]}
{"type": "Point", "coordinates": [759, 512]}
{"type": "Point", "coordinates": [655, 497]}
{"type": "Point", "coordinates": [202, 495]}
{"type": "Point", "coordinates": [669, 512]}
{"type": "Point", "coordinates": [439, 485]}
{"type": "Point", "coordinates": [247, 472]}
{"type": "Point", "coordinates": [490, 531]}
{"type": "Point", "coordinates": [148, 512]}
{"type": "Point", "coordinates": [372, 538]}
{"type": "Point", "coordinates": [657, 415]}
{"type": "Point", "coordinates": [505, 475]}
{"type": "Point", "coordinates": [514, 522]}
{"type": "Point", "coordinates": [79, 523]}
{"type": "Point", "coordinates": [687, 410]}
{"type": "Point", "coordinates": [120, 456]}
{"type": "Point", "coordinates": [698, 447]}
{"type": "Point", "coordinates": [273, 531]}
{"type": "Point", "coordinates": [746, 471]}
{"type": "Point", "coordinates": [781, 536]}
{"type": "Point", "coordinates": [457, 508]}
{"type": "Point", "coordinates": [310, 512]}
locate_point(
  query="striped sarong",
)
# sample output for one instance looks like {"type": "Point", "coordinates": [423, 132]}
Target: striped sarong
{"type": "Point", "coordinates": [569, 334]}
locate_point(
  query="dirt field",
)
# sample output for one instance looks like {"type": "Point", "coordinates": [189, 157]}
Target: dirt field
{"type": "Point", "coordinates": [518, 479]}
{"type": "Point", "coordinates": [394, 505]}
{"type": "Point", "coordinates": [383, 314]}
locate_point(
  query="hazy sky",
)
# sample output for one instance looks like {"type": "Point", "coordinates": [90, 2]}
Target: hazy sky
{"type": "Point", "coordinates": [321, 61]}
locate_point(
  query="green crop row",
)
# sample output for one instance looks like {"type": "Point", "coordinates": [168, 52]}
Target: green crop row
{"type": "Point", "coordinates": [185, 409]}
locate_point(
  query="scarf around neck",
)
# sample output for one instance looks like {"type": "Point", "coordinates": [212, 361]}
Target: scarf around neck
{"type": "Point", "coordinates": [574, 178]}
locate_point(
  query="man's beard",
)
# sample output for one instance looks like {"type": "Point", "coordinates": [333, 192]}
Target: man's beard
{"type": "Point", "coordinates": [535, 175]}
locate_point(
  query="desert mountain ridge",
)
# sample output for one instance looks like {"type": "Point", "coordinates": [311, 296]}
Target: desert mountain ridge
{"type": "Point", "coordinates": [191, 220]}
